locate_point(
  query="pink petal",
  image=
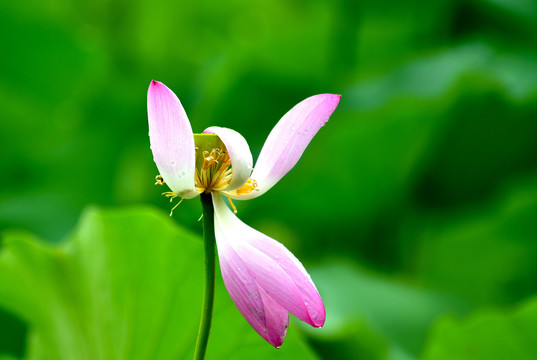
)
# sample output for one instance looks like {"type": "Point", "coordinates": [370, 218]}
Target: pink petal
{"type": "Point", "coordinates": [172, 140]}
{"type": "Point", "coordinates": [239, 153]}
{"type": "Point", "coordinates": [267, 318]}
{"type": "Point", "coordinates": [277, 320]}
{"type": "Point", "coordinates": [274, 268]}
{"type": "Point", "coordinates": [288, 140]}
{"type": "Point", "coordinates": [295, 270]}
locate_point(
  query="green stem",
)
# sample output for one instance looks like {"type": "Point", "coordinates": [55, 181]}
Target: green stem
{"type": "Point", "coordinates": [208, 296]}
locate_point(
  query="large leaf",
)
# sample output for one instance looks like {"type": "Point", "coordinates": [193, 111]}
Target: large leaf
{"type": "Point", "coordinates": [486, 335]}
{"type": "Point", "coordinates": [126, 285]}
{"type": "Point", "coordinates": [370, 317]}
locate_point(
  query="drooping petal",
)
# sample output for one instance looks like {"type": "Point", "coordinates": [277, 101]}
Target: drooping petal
{"type": "Point", "coordinates": [172, 140]}
{"type": "Point", "coordinates": [267, 317]}
{"type": "Point", "coordinates": [274, 268]}
{"type": "Point", "coordinates": [296, 271]}
{"type": "Point", "coordinates": [277, 320]}
{"type": "Point", "coordinates": [239, 153]}
{"type": "Point", "coordinates": [288, 140]}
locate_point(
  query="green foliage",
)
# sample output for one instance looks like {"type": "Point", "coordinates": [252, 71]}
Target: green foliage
{"type": "Point", "coordinates": [376, 318]}
{"type": "Point", "coordinates": [12, 334]}
{"type": "Point", "coordinates": [486, 335]}
{"type": "Point", "coordinates": [125, 285]}
{"type": "Point", "coordinates": [424, 178]}
{"type": "Point", "coordinates": [488, 256]}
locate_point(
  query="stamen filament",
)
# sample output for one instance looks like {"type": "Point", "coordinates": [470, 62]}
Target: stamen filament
{"type": "Point", "coordinates": [176, 205]}
{"type": "Point", "coordinates": [215, 172]}
{"type": "Point", "coordinates": [232, 205]}
{"type": "Point", "coordinates": [172, 196]}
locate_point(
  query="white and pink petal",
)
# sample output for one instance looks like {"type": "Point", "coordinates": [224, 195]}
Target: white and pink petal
{"type": "Point", "coordinates": [288, 140]}
{"type": "Point", "coordinates": [172, 140]}
{"type": "Point", "coordinates": [267, 317]}
{"type": "Point", "coordinates": [296, 271]}
{"type": "Point", "coordinates": [274, 268]}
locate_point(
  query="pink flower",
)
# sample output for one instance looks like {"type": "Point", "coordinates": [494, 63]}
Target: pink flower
{"type": "Point", "coordinates": [264, 279]}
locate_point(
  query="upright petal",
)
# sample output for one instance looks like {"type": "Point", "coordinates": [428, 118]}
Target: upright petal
{"type": "Point", "coordinates": [288, 140]}
{"type": "Point", "coordinates": [239, 153]}
{"type": "Point", "coordinates": [172, 140]}
{"type": "Point", "coordinates": [274, 268]}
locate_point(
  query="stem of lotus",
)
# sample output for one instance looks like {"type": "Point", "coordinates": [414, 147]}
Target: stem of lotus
{"type": "Point", "coordinates": [208, 297]}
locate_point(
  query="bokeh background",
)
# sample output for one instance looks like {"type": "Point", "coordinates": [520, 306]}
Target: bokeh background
{"type": "Point", "coordinates": [414, 208]}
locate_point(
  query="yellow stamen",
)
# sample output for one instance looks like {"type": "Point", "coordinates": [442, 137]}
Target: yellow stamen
{"type": "Point", "coordinates": [215, 174]}
{"type": "Point", "coordinates": [172, 196]}
{"type": "Point", "coordinates": [176, 205]}
{"type": "Point", "coordinates": [232, 205]}
{"type": "Point", "coordinates": [249, 186]}
{"type": "Point", "coordinates": [160, 180]}
{"type": "Point", "coordinates": [215, 171]}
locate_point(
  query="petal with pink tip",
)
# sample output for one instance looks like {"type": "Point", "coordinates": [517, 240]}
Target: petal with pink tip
{"type": "Point", "coordinates": [288, 140]}
{"type": "Point", "coordinates": [274, 268]}
{"type": "Point", "coordinates": [268, 319]}
{"type": "Point", "coordinates": [172, 140]}
{"type": "Point", "coordinates": [239, 153]}
{"type": "Point", "coordinates": [296, 271]}
{"type": "Point", "coordinates": [277, 320]}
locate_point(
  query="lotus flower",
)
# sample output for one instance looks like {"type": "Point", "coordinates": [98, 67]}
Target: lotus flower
{"type": "Point", "coordinates": [264, 279]}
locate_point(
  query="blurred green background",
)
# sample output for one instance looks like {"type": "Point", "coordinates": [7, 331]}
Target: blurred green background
{"type": "Point", "coordinates": [414, 208]}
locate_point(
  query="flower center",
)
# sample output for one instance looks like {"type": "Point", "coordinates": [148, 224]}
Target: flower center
{"type": "Point", "coordinates": [215, 172]}
{"type": "Point", "coordinates": [213, 166]}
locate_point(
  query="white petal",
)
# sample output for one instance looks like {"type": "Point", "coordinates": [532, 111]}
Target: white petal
{"type": "Point", "coordinates": [239, 153]}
